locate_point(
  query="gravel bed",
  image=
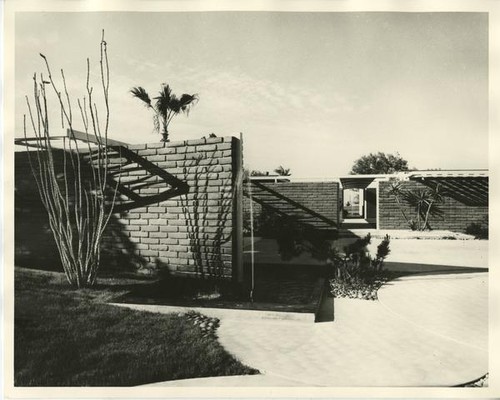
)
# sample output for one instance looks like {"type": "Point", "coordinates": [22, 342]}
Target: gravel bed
{"type": "Point", "coordinates": [364, 290]}
{"type": "Point", "coordinates": [207, 325]}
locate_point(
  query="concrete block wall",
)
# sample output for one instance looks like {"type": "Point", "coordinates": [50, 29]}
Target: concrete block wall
{"type": "Point", "coordinates": [314, 204]}
{"type": "Point", "coordinates": [457, 215]}
{"type": "Point", "coordinates": [190, 233]}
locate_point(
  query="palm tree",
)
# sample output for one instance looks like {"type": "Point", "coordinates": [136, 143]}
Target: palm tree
{"type": "Point", "coordinates": [435, 196]}
{"type": "Point", "coordinates": [425, 202]}
{"type": "Point", "coordinates": [396, 190]}
{"type": "Point", "coordinates": [167, 106]}
{"type": "Point", "coordinates": [419, 199]}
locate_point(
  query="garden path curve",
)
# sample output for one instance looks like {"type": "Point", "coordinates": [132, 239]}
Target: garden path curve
{"type": "Point", "coordinates": [425, 330]}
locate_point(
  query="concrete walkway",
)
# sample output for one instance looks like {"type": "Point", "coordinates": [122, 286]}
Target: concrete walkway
{"type": "Point", "coordinates": [428, 329]}
{"type": "Point", "coordinates": [405, 253]}
{"type": "Point", "coordinates": [435, 253]}
{"type": "Point", "coordinates": [425, 330]}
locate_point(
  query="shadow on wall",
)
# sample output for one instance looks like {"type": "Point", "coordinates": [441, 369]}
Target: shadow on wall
{"type": "Point", "coordinates": [295, 226]}
{"type": "Point", "coordinates": [286, 206]}
{"type": "Point", "coordinates": [445, 203]}
{"type": "Point", "coordinates": [34, 245]}
{"type": "Point", "coordinates": [125, 164]}
{"type": "Point", "coordinates": [119, 253]}
{"type": "Point", "coordinates": [34, 241]}
{"type": "Point", "coordinates": [203, 191]}
{"type": "Point", "coordinates": [208, 215]}
{"type": "Point", "coordinates": [468, 191]}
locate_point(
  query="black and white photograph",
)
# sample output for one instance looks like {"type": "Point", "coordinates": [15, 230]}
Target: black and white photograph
{"type": "Point", "coordinates": [293, 199]}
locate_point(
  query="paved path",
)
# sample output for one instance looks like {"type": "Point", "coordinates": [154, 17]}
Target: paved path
{"type": "Point", "coordinates": [425, 330]}
{"type": "Point", "coordinates": [443, 253]}
{"type": "Point", "coordinates": [405, 254]}
{"type": "Point", "coordinates": [422, 332]}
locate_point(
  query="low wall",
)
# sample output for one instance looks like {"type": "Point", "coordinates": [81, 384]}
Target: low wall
{"type": "Point", "coordinates": [465, 201]}
{"type": "Point", "coordinates": [178, 209]}
{"type": "Point", "coordinates": [313, 204]}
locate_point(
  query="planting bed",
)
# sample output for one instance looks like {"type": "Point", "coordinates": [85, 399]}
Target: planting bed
{"type": "Point", "coordinates": [365, 289]}
{"type": "Point", "coordinates": [277, 288]}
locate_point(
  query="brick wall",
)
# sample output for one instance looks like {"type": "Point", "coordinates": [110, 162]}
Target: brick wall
{"type": "Point", "coordinates": [314, 204]}
{"type": "Point", "coordinates": [177, 208]}
{"type": "Point", "coordinates": [465, 201]}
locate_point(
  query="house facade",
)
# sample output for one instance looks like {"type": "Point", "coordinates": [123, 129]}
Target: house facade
{"type": "Point", "coordinates": [366, 201]}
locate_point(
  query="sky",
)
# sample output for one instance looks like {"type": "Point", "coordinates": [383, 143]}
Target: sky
{"type": "Point", "coordinates": [310, 91]}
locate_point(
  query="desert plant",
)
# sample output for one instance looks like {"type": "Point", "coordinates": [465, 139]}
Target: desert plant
{"type": "Point", "coordinates": [418, 199]}
{"type": "Point", "coordinates": [435, 197]}
{"type": "Point", "coordinates": [207, 237]}
{"type": "Point", "coordinates": [382, 252]}
{"type": "Point", "coordinates": [77, 199]}
{"type": "Point", "coordinates": [425, 202]}
{"type": "Point", "coordinates": [167, 106]}
{"type": "Point", "coordinates": [396, 191]}
{"type": "Point", "coordinates": [283, 171]}
{"type": "Point", "coordinates": [355, 273]}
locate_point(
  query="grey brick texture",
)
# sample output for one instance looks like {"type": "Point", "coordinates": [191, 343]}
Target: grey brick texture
{"type": "Point", "coordinates": [462, 205]}
{"type": "Point", "coordinates": [189, 233]}
{"type": "Point", "coordinates": [312, 203]}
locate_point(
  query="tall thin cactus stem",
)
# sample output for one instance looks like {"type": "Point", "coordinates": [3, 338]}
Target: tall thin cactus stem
{"type": "Point", "coordinates": [72, 181]}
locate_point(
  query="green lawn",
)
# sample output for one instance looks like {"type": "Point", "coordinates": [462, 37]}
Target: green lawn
{"type": "Point", "coordinates": [65, 337]}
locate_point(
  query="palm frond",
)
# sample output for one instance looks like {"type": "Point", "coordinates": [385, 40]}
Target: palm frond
{"type": "Point", "coordinates": [175, 104]}
{"type": "Point", "coordinates": [166, 91]}
{"type": "Point", "coordinates": [166, 105]}
{"type": "Point", "coordinates": [164, 100]}
{"type": "Point", "coordinates": [187, 101]}
{"type": "Point", "coordinates": [395, 189]}
{"type": "Point", "coordinates": [141, 94]}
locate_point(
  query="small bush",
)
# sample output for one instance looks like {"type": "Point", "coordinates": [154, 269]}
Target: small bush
{"type": "Point", "coordinates": [478, 230]}
{"type": "Point", "coordinates": [382, 252]}
{"type": "Point", "coordinates": [355, 273]}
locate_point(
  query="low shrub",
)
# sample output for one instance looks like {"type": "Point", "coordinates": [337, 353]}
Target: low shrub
{"type": "Point", "coordinates": [478, 229]}
{"type": "Point", "coordinates": [354, 273]}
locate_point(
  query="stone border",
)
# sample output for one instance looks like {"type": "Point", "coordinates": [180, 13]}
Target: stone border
{"type": "Point", "coordinates": [222, 312]}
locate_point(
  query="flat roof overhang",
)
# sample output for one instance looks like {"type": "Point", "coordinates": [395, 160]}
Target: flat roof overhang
{"type": "Point", "coordinates": [359, 181]}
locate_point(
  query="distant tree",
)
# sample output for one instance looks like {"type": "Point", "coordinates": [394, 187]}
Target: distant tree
{"type": "Point", "coordinates": [283, 171]}
{"type": "Point", "coordinates": [258, 173]}
{"type": "Point", "coordinates": [167, 106]}
{"type": "Point", "coordinates": [379, 163]}
{"type": "Point", "coordinates": [280, 171]}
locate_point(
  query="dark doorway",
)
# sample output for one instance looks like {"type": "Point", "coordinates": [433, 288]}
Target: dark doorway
{"type": "Point", "coordinates": [371, 205]}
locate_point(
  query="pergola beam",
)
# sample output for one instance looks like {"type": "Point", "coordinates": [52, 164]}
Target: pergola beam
{"type": "Point", "coordinates": [85, 137]}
